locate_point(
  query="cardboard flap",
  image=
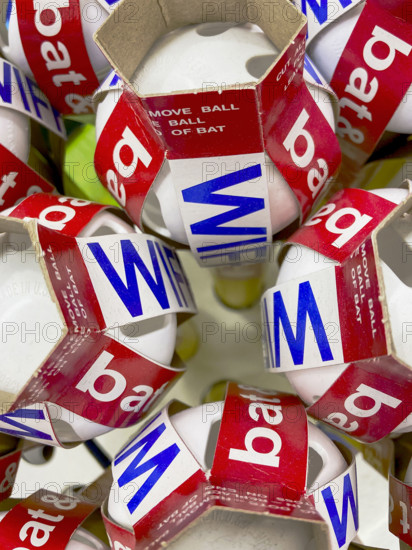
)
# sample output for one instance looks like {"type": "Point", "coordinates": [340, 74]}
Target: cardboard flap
{"type": "Point", "coordinates": [129, 154]}
{"type": "Point", "coordinates": [367, 401]}
{"type": "Point", "coordinates": [69, 91]}
{"type": "Point", "coordinates": [378, 23]}
{"type": "Point", "coordinates": [154, 19]}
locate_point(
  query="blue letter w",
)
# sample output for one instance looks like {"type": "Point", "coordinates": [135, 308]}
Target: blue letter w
{"type": "Point", "coordinates": [204, 193]}
{"type": "Point", "coordinates": [129, 292]}
{"type": "Point", "coordinates": [21, 430]}
{"type": "Point", "coordinates": [158, 463]}
{"type": "Point", "coordinates": [307, 306]}
{"type": "Point", "coordinates": [320, 11]}
{"type": "Point", "coordinates": [340, 526]}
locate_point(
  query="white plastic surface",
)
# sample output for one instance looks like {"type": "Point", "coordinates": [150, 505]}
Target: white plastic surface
{"type": "Point", "coordinates": [30, 319]}
{"type": "Point", "coordinates": [326, 49]}
{"type": "Point", "coordinates": [188, 59]}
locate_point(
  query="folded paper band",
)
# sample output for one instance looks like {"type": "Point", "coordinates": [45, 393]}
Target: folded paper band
{"type": "Point", "coordinates": [224, 147]}
{"type": "Point", "coordinates": [56, 52]}
{"type": "Point", "coordinates": [50, 520]}
{"type": "Point", "coordinates": [353, 369]}
{"type": "Point", "coordinates": [95, 368]}
{"type": "Point", "coordinates": [250, 470]}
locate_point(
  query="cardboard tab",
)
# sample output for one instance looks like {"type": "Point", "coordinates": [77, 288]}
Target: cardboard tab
{"type": "Point", "coordinates": [400, 509]}
{"type": "Point", "coordinates": [370, 80]}
{"type": "Point", "coordinates": [237, 232]}
{"type": "Point", "coordinates": [21, 94]}
{"type": "Point", "coordinates": [71, 81]}
{"type": "Point", "coordinates": [304, 149]}
{"type": "Point", "coordinates": [339, 228]}
{"type": "Point", "coordinates": [18, 180]}
{"type": "Point", "coordinates": [115, 389]}
{"type": "Point", "coordinates": [45, 518]}
{"type": "Point", "coordinates": [210, 123]}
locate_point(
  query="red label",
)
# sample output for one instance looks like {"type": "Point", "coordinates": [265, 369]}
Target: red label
{"type": "Point", "coordinates": [128, 155]}
{"type": "Point", "coordinates": [304, 148]}
{"type": "Point", "coordinates": [71, 282]}
{"type": "Point", "coordinates": [8, 470]}
{"type": "Point", "coordinates": [400, 509]}
{"type": "Point", "coordinates": [52, 38]}
{"type": "Point", "coordinates": [360, 307]}
{"type": "Point", "coordinates": [365, 401]}
{"type": "Point", "coordinates": [18, 180]}
{"type": "Point", "coordinates": [114, 386]}
{"type": "Point", "coordinates": [119, 536]}
{"type": "Point", "coordinates": [70, 216]}
{"type": "Point", "coordinates": [207, 124]}
{"type": "Point", "coordinates": [45, 519]}
{"type": "Point", "coordinates": [339, 227]}
{"type": "Point", "coordinates": [263, 437]}
{"type": "Point", "coordinates": [370, 80]}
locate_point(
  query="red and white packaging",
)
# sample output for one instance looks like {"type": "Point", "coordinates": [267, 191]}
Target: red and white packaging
{"type": "Point", "coordinates": [10, 455]}
{"type": "Point", "coordinates": [400, 491]}
{"type": "Point", "coordinates": [20, 102]}
{"type": "Point", "coordinates": [54, 44]}
{"type": "Point", "coordinates": [236, 469]}
{"type": "Point", "coordinates": [80, 301]}
{"type": "Point", "coordinates": [48, 520]}
{"type": "Point", "coordinates": [220, 146]}
{"type": "Point", "coordinates": [364, 50]}
{"type": "Point", "coordinates": [337, 321]}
